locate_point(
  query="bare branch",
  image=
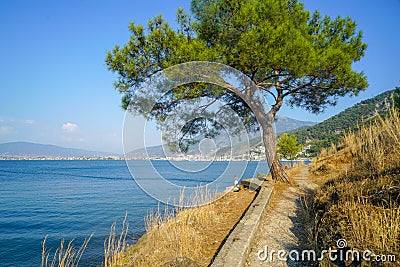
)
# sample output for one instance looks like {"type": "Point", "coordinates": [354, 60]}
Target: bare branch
{"type": "Point", "coordinates": [205, 106]}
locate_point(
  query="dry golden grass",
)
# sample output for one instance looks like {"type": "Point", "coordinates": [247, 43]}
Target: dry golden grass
{"type": "Point", "coordinates": [192, 233]}
{"type": "Point", "coordinates": [361, 201]}
{"type": "Point", "coordinates": [373, 227]}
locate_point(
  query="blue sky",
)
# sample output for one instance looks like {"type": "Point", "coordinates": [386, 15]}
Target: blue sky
{"type": "Point", "coordinates": [55, 87]}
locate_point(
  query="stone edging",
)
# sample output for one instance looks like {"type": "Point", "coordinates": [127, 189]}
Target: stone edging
{"type": "Point", "coordinates": [237, 246]}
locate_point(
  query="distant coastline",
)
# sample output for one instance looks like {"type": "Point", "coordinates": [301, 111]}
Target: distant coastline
{"type": "Point", "coordinates": [119, 158]}
{"type": "Point", "coordinates": [63, 158]}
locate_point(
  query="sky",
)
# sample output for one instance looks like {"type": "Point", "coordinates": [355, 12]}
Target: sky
{"type": "Point", "coordinates": [55, 87]}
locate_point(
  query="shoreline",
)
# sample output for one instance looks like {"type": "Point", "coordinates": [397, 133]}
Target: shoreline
{"type": "Point", "coordinates": [308, 160]}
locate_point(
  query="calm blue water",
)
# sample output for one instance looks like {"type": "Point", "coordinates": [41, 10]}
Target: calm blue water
{"type": "Point", "coordinates": [72, 199]}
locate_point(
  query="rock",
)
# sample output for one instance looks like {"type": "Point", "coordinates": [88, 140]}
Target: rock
{"type": "Point", "coordinates": [252, 183]}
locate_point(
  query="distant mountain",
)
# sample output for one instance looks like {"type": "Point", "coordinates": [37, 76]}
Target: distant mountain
{"type": "Point", "coordinates": [282, 124]}
{"type": "Point", "coordinates": [152, 151]}
{"type": "Point", "coordinates": [285, 124]}
{"type": "Point", "coordinates": [331, 130]}
{"type": "Point", "coordinates": [25, 149]}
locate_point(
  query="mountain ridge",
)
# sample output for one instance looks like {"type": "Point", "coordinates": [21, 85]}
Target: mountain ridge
{"type": "Point", "coordinates": [22, 149]}
{"type": "Point", "coordinates": [28, 149]}
{"type": "Point", "coordinates": [282, 124]}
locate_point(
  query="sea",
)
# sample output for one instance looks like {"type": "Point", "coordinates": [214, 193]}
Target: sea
{"type": "Point", "coordinates": [73, 199]}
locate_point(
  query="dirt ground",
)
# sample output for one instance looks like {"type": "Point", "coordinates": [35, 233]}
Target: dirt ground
{"type": "Point", "coordinates": [232, 206]}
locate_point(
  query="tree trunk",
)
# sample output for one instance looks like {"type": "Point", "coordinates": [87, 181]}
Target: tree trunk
{"type": "Point", "coordinates": [277, 171]}
{"type": "Point", "coordinates": [265, 119]}
{"type": "Point", "coordinates": [275, 166]}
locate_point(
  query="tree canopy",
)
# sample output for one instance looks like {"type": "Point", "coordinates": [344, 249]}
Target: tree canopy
{"type": "Point", "coordinates": [286, 51]}
{"type": "Point", "coordinates": [288, 147]}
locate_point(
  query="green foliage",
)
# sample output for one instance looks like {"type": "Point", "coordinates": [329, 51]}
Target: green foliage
{"type": "Point", "coordinates": [396, 97]}
{"type": "Point", "coordinates": [285, 50]}
{"type": "Point", "coordinates": [288, 147]}
{"type": "Point", "coordinates": [278, 42]}
{"type": "Point", "coordinates": [288, 52]}
{"type": "Point", "coordinates": [333, 129]}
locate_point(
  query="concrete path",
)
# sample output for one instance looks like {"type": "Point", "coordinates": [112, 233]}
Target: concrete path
{"type": "Point", "coordinates": [236, 248]}
{"type": "Point", "coordinates": [268, 225]}
{"type": "Point", "coordinates": [281, 228]}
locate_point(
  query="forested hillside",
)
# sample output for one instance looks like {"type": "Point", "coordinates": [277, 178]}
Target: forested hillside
{"type": "Point", "coordinates": [331, 130]}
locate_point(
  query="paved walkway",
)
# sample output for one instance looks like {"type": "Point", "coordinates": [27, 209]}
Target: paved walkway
{"type": "Point", "coordinates": [281, 225]}
{"type": "Point", "coordinates": [269, 227]}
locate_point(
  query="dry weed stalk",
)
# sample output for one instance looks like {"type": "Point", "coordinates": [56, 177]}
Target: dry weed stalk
{"type": "Point", "coordinates": [173, 233]}
{"type": "Point", "coordinates": [115, 244]}
{"type": "Point", "coordinates": [377, 147]}
{"type": "Point", "coordinates": [373, 227]}
{"type": "Point", "coordinates": [63, 256]}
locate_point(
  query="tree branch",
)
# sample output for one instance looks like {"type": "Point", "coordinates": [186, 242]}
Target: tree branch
{"type": "Point", "coordinates": [266, 90]}
{"type": "Point", "coordinates": [289, 92]}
